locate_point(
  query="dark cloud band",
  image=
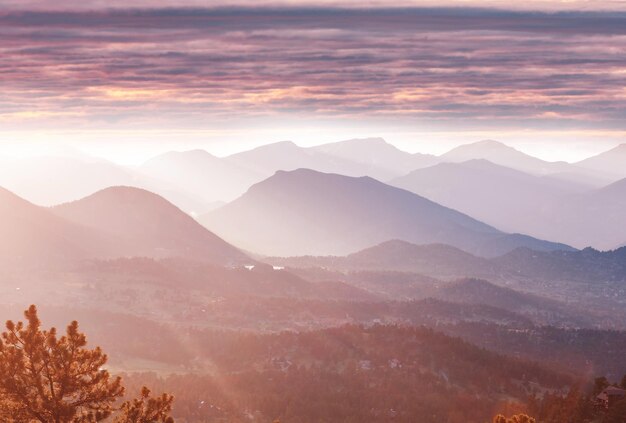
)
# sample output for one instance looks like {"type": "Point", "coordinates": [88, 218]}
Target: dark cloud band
{"type": "Point", "coordinates": [439, 65]}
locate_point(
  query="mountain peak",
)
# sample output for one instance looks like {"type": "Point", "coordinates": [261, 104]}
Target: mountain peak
{"type": "Point", "coordinates": [401, 248]}
{"type": "Point", "coordinates": [487, 149]}
{"type": "Point", "coordinates": [485, 145]}
{"type": "Point", "coordinates": [122, 193]}
{"type": "Point", "coordinates": [306, 212]}
{"type": "Point", "coordinates": [305, 177]}
{"type": "Point", "coordinates": [141, 223]}
{"type": "Point", "coordinates": [193, 153]}
{"type": "Point", "coordinates": [504, 155]}
{"type": "Point", "coordinates": [491, 143]}
{"type": "Point", "coordinates": [377, 153]}
{"type": "Point", "coordinates": [617, 150]}
{"type": "Point", "coordinates": [372, 141]}
{"type": "Point", "coordinates": [278, 146]}
{"type": "Point", "coordinates": [180, 156]}
{"type": "Point", "coordinates": [33, 235]}
{"type": "Point", "coordinates": [610, 162]}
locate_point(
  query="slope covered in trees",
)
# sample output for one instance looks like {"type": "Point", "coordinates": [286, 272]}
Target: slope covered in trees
{"type": "Point", "coordinates": [353, 373]}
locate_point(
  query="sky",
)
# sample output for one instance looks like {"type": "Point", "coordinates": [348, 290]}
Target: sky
{"type": "Point", "coordinates": [126, 82]}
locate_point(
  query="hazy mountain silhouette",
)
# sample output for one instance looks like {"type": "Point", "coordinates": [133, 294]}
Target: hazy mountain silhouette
{"type": "Point", "coordinates": [261, 280]}
{"type": "Point", "coordinates": [33, 236]}
{"type": "Point", "coordinates": [48, 181]}
{"type": "Point", "coordinates": [499, 153]}
{"type": "Point", "coordinates": [594, 218]}
{"type": "Point", "coordinates": [308, 212]}
{"type": "Point", "coordinates": [207, 177]}
{"type": "Point", "coordinates": [39, 180]}
{"type": "Point", "coordinates": [601, 216]}
{"type": "Point", "coordinates": [614, 193]}
{"type": "Point", "coordinates": [286, 155]}
{"type": "Point", "coordinates": [506, 198]}
{"type": "Point", "coordinates": [378, 153]}
{"type": "Point", "coordinates": [612, 161]}
{"type": "Point", "coordinates": [539, 309]}
{"type": "Point", "coordinates": [144, 224]}
{"type": "Point", "coordinates": [414, 261]}
{"type": "Point", "coordinates": [587, 265]}
{"type": "Point", "coordinates": [440, 259]}
{"type": "Point", "coordinates": [541, 206]}
{"type": "Point", "coordinates": [480, 291]}
{"type": "Point", "coordinates": [446, 262]}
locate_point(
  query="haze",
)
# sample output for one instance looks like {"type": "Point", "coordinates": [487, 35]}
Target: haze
{"type": "Point", "coordinates": [313, 211]}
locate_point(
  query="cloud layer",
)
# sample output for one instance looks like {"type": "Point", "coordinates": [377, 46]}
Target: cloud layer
{"type": "Point", "coordinates": [447, 68]}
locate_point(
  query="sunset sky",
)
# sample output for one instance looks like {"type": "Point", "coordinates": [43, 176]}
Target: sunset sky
{"type": "Point", "coordinates": [548, 77]}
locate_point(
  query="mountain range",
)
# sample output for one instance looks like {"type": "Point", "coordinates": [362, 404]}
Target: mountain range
{"type": "Point", "coordinates": [515, 201]}
{"type": "Point", "coordinates": [578, 204]}
{"type": "Point", "coordinates": [268, 159]}
{"type": "Point", "coordinates": [502, 196]}
{"type": "Point", "coordinates": [206, 176]}
{"type": "Point", "coordinates": [378, 153]}
{"type": "Point", "coordinates": [304, 212]}
{"type": "Point", "coordinates": [605, 270]}
{"type": "Point", "coordinates": [503, 155]}
{"type": "Point", "coordinates": [39, 179]}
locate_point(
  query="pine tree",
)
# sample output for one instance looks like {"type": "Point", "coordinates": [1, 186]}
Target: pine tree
{"type": "Point", "coordinates": [600, 384]}
{"type": "Point", "coordinates": [47, 379]}
{"type": "Point", "coordinates": [518, 418]}
{"type": "Point", "coordinates": [50, 379]}
{"type": "Point", "coordinates": [146, 409]}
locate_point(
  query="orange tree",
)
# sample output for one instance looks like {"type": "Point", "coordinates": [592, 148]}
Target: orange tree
{"type": "Point", "coordinates": [49, 379]}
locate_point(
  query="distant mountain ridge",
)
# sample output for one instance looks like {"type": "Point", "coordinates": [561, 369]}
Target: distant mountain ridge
{"type": "Point", "coordinates": [73, 177]}
{"type": "Point", "coordinates": [287, 156]}
{"type": "Point", "coordinates": [541, 206]}
{"type": "Point", "coordinates": [447, 262]}
{"type": "Point", "coordinates": [612, 161]}
{"type": "Point", "coordinates": [498, 195]}
{"type": "Point", "coordinates": [115, 222]}
{"type": "Point", "coordinates": [207, 177]}
{"type": "Point", "coordinates": [307, 212]}
{"type": "Point", "coordinates": [538, 309]}
{"type": "Point", "coordinates": [502, 154]}
{"type": "Point", "coordinates": [194, 180]}
{"type": "Point", "coordinates": [377, 152]}
{"type": "Point", "coordinates": [540, 200]}
{"type": "Point", "coordinates": [145, 224]}
{"type": "Point", "coordinates": [596, 217]}
{"type": "Point", "coordinates": [32, 236]}
{"type": "Point", "coordinates": [39, 180]}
